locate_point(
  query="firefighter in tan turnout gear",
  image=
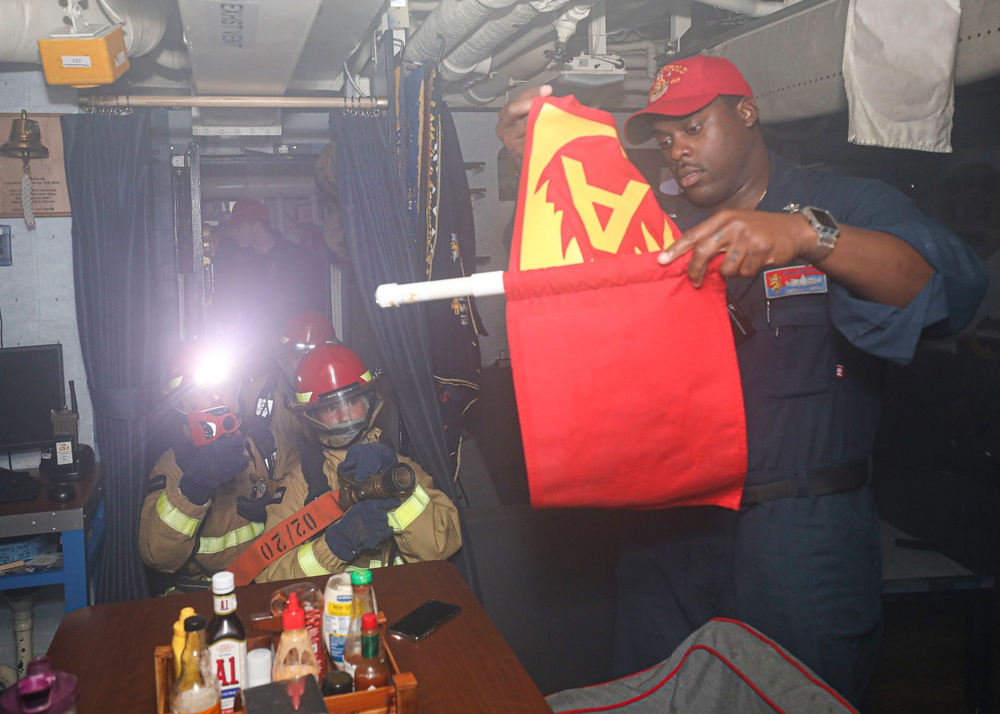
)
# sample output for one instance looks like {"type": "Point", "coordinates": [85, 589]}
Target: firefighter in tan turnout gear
{"type": "Point", "coordinates": [205, 496]}
{"type": "Point", "coordinates": [336, 401]}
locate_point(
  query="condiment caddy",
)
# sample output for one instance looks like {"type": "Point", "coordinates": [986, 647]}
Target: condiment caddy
{"type": "Point", "coordinates": [400, 697]}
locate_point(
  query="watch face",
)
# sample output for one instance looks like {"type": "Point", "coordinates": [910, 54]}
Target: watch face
{"type": "Point", "coordinates": [824, 218]}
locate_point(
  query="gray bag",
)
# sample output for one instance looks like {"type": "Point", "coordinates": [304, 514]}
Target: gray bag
{"type": "Point", "coordinates": [724, 667]}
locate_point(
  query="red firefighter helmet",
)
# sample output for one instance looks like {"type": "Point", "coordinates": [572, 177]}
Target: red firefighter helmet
{"type": "Point", "coordinates": [202, 384]}
{"type": "Point", "coordinates": [334, 392]}
{"type": "Point", "coordinates": [306, 330]}
{"type": "Point", "coordinates": [302, 333]}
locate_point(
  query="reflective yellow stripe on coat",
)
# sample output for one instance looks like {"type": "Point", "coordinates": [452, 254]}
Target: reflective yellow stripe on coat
{"type": "Point", "coordinates": [173, 517]}
{"type": "Point", "coordinates": [243, 534]}
{"type": "Point", "coordinates": [409, 509]}
{"type": "Point", "coordinates": [308, 561]}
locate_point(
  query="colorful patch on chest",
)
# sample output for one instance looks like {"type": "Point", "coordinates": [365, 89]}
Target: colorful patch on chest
{"type": "Point", "coordinates": [794, 280]}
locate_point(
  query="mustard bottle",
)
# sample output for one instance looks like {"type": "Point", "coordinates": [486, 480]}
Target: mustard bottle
{"type": "Point", "coordinates": [179, 637]}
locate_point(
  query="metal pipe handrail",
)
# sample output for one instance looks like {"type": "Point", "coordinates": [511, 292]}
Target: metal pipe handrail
{"type": "Point", "coordinates": [127, 101]}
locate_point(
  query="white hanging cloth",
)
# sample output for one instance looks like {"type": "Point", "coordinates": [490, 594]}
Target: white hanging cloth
{"type": "Point", "coordinates": [899, 61]}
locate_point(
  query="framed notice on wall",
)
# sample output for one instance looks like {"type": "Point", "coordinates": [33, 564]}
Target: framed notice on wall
{"type": "Point", "coordinates": [49, 196]}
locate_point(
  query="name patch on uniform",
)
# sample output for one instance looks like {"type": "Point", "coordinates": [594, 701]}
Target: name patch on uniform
{"type": "Point", "coordinates": [794, 280]}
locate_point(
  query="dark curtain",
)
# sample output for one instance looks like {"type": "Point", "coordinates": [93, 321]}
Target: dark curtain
{"type": "Point", "coordinates": [440, 214]}
{"type": "Point", "coordinates": [108, 166]}
{"type": "Point", "coordinates": [373, 208]}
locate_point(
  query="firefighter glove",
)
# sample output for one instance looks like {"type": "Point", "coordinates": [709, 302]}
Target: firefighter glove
{"type": "Point", "coordinates": [363, 460]}
{"type": "Point", "coordinates": [364, 525]}
{"type": "Point", "coordinates": [215, 464]}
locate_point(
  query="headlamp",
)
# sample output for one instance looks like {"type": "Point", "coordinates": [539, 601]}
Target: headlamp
{"type": "Point", "coordinates": [214, 367]}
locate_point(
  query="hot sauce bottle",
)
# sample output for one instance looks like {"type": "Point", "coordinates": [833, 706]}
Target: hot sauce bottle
{"type": "Point", "coordinates": [371, 670]}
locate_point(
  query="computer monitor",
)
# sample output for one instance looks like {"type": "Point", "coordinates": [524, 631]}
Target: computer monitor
{"type": "Point", "coordinates": [31, 386]}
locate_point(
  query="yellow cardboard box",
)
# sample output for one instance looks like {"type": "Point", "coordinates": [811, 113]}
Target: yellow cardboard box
{"type": "Point", "coordinates": [84, 61]}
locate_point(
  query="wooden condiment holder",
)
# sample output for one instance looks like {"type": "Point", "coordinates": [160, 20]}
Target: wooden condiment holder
{"type": "Point", "coordinates": [400, 697]}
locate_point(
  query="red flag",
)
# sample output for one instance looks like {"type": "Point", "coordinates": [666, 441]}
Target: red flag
{"type": "Point", "coordinates": [626, 379]}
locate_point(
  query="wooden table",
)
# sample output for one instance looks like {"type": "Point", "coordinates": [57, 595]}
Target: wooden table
{"type": "Point", "coordinates": [80, 523]}
{"type": "Point", "coordinates": [465, 667]}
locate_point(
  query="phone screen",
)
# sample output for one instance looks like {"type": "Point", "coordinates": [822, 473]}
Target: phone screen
{"type": "Point", "coordinates": [416, 625]}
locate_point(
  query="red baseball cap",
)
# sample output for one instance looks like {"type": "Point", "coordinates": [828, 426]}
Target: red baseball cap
{"type": "Point", "coordinates": [246, 210]}
{"type": "Point", "coordinates": [684, 87]}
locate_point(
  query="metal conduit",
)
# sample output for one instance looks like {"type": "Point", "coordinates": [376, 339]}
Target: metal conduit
{"type": "Point", "coordinates": [126, 101]}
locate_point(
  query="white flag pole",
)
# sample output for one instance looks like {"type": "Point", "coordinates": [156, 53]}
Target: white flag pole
{"type": "Point", "coordinates": [477, 285]}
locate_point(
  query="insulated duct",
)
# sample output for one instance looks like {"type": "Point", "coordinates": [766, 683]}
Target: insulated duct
{"type": "Point", "coordinates": [464, 59]}
{"type": "Point", "coordinates": [449, 23]}
{"type": "Point", "coordinates": [25, 21]}
{"type": "Point", "coordinates": [522, 59]}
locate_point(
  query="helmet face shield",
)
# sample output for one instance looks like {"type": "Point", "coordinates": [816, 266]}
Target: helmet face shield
{"type": "Point", "coordinates": [343, 415]}
{"type": "Point", "coordinates": [334, 394]}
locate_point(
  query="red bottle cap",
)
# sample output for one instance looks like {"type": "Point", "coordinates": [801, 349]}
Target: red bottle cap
{"type": "Point", "coordinates": [369, 621]}
{"type": "Point", "coordinates": [294, 617]}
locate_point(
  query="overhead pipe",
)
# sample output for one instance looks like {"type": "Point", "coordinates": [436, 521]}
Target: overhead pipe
{"type": "Point", "coordinates": [127, 101]}
{"type": "Point", "coordinates": [522, 59]}
{"type": "Point", "coordinates": [636, 63]}
{"type": "Point", "coordinates": [171, 59]}
{"type": "Point", "coordinates": [25, 21]}
{"type": "Point", "coordinates": [465, 58]}
{"type": "Point", "coordinates": [635, 83]}
{"type": "Point", "coordinates": [521, 44]}
{"type": "Point", "coordinates": [652, 49]}
{"type": "Point", "coordinates": [447, 25]}
{"type": "Point", "coordinates": [753, 8]}
{"type": "Point", "coordinates": [221, 187]}
{"type": "Point", "coordinates": [564, 26]}
{"type": "Point", "coordinates": [511, 76]}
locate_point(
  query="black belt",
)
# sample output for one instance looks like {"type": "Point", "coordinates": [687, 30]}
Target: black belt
{"type": "Point", "coordinates": [818, 483]}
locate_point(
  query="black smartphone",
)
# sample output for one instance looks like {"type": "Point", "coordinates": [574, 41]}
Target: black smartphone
{"type": "Point", "coordinates": [416, 625]}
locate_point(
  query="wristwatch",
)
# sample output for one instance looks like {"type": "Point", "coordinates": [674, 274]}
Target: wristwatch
{"type": "Point", "coordinates": [825, 226]}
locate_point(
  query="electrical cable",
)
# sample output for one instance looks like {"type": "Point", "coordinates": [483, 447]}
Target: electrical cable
{"type": "Point", "coordinates": [350, 78]}
{"type": "Point", "coordinates": [110, 13]}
